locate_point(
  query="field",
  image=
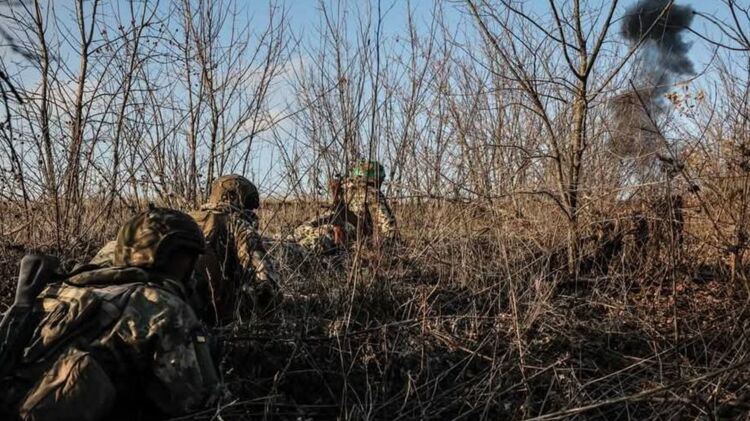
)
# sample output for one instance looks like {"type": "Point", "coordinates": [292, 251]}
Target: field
{"type": "Point", "coordinates": [468, 317]}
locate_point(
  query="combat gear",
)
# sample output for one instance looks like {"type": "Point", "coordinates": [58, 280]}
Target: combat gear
{"type": "Point", "coordinates": [105, 256]}
{"type": "Point", "coordinates": [153, 234]}
{"type": "Point", "coordinates": [329, 232]}
{"type": "Point", "coordinates": [372, 171]}
{"type": "Point", "coordinates": [15, 330]}
{"type": "Point", "coordinates": [76, 384]}
{"type": "Point", "coordinates": [236, 191]}
{"type": "Point", "coordinates": [117, 336]}
{"type": "Point", "coordinates": [358, 210]}
{"type": "Point", "coordinates": [105, 334]}
{"type": "Point", "coordinates": [36, 271]}
{"type": "Point", "coordinates": [70, 320]}
{"type": "Point", "coordinates": [363, 197]}
{"type": "Point", "coordinates": [323, 235]}
{"type": "Point", "coordinates": [371, 208]}
{"type": "Point", "coordinates": [235, 261]}
{"type": "Point", "coordinates": [220, 274]}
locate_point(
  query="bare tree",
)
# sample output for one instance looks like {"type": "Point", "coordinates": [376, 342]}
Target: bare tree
{"type": "Point", "coordinates": [560, 88]}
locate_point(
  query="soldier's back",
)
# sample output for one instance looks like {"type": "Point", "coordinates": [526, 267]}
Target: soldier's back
{"type": "Point", "coordinates": [109, 341]}
{"type": "Point", "coordinates": [216, 286]}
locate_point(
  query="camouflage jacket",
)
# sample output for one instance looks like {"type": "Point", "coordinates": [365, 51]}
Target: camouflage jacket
{"type": "Point", "coordinates": [105, 257]}
{"type": "Point", "coordinates": [236, 258]}
{"type": "Point", "coordinates": [370, 206]}
{"type": "Point", "coordinates": [319, 235]}
{"type": "Point", "coordinates": [114, 340]}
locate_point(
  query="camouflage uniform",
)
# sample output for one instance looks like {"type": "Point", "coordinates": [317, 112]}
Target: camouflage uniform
{"type": "Point", "coordinates": [359, 210]}
{"type": "Point", "coordinates": [329, 231]}
{"type": "Point", "coordinates": [368, 203]}
{"type": "Point", "coordinates": [105, 256]}
{"type": "Point", "coordinates": [119, 340]}
{"type": "Point", "coordinates": [322, 237]}
{"type": "Point", "coordinates": [236, 259]}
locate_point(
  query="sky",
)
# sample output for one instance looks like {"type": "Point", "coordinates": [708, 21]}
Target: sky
{"type": "Point", "coordinates": [306, 19]}
{"type": "Point", "coordinates": [305, 16]}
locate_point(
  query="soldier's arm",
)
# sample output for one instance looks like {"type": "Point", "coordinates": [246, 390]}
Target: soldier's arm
{"type": "Point", "coordinates": [385, 218]}
{"type": "Point", "coordinates": [252, 256]}
{"type": "Point", "coordinates": [324, 218]}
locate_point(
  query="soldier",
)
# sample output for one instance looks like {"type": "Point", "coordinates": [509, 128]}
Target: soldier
{"type": "Point", "coordinates": [323, 237]}
{"type": "Point", "coordinates": [330, 231]}
{"type": "Point", "coordinates": [359, 210]}
{"type": "Point", "coordinates": [235, 260]}
{"type": "Point", "coordinates": [118, 341]}
{"type": "Point", "coordinates": [364, 199]}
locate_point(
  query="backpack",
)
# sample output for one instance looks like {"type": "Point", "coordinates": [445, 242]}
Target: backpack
{"type": "Point", "coordinates": [58, 376]}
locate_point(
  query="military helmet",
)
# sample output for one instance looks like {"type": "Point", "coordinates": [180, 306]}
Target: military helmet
{"type": "Point", "coordinates": [372, 171]}
{"type": "Point", "coordinates": [235, 190]}
{"type": "Point", "coordinates": [146, 237]}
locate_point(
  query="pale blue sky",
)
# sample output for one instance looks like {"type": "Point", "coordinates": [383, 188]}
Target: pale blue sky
{"type": "Point", "coordinates": [306, 18]}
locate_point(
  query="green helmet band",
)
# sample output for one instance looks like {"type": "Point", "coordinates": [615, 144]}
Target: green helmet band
{"type": "Point", "coordinates": [370, 170]}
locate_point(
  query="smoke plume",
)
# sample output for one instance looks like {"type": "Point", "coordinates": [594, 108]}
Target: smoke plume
{"type": "Point", "coordinates": [658, 26]}
{"type": "Point", "coordinates": [661, 26]}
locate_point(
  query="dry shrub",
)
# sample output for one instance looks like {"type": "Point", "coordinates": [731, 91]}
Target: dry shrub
{"type": "Point", "coordinates": [466, 319]}
{"type": "Point", "coordinates": [471, 315]}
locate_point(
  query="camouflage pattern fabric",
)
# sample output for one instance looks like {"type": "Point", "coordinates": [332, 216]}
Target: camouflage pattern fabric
{"type": "Point", "coordinates": [158, 230]}
{"type": "Point", "coordinates": [148, 345]}
{"type": "Point", "coordinates": [321, 238]}
{"type": "Point", "coordinates": [142, 238]}
{"type": "Point", "coordinates": [105, 257]}
{"type": "Point", "coordinates": [236, 191]}
{"type": "Point", "coordinates": [315, 238]}
{"type": "Point", "coordinates": [368, 203]}
{"type": "Point", "coordinates": [363, 209]}
{"type": "Point", "coordinates": [236, 261]}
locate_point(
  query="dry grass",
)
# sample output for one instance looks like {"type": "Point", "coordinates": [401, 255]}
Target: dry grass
{"type": "Point", "coordinates": [468, 317]}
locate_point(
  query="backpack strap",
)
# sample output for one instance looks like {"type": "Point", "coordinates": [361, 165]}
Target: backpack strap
{"type": "Point", "coordinates": [18, 323]}
{"type": "Point", "coordinates": [16, 329]}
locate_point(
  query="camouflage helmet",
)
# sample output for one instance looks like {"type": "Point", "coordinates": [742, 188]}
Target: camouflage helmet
{"type": "Point", "coordinates": [372, 171]}
{"type": "Point", "coordinates": [236, 190]}
{"type": "Point", "coordinates": [143, 239]}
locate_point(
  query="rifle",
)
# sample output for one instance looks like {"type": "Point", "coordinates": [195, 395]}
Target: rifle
{"type": "Point", "coordinates": [339, 210]}
{"type": "Point", "coordinates": [334, 186]}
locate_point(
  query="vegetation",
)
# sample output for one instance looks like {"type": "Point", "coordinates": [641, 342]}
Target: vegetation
{"type": "Point", "coordinates": [571, 189]}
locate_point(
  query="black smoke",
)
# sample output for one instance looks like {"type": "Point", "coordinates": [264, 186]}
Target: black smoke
{"type": "Point", "coordinates": [661, 24]}
{"type": "Point", "coordinates": [656, 28]}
